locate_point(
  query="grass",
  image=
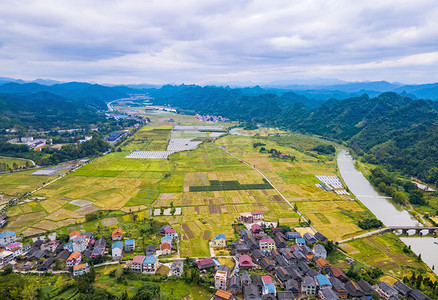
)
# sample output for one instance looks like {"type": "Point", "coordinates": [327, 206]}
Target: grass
{"type": "Point", "coordinates": [10, 162]}
{"type": "Point", "coordinates": [385, 251]}
{"type": "Point", "coordinates": [18, 183]}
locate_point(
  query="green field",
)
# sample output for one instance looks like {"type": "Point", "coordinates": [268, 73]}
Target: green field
{"type": "Point", "coordinates": [385, 251]}
{"type": "Point", "coordinates": [211, 186]}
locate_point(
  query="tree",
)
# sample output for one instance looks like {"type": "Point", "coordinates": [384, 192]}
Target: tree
{"type": "Point", "coordinates": [148, 291]}
{"type": "Point", "coordinates": [417, 197]}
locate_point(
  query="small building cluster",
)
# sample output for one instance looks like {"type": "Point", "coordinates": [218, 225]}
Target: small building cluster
{"type": "Point", "coordinates": [42, 254]}
{"type": "Point", "coordinates": [149, 264]}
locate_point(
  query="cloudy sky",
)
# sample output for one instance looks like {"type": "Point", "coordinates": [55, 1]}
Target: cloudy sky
{"type": "Point", "coordinates": [193, 41]}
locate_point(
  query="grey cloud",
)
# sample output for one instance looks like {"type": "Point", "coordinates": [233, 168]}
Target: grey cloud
{"type": "Point", "coordinates": [200, 41]}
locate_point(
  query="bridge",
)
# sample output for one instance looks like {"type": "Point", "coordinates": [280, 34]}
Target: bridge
{"type": "Point", "coordinates": [404, 230]}
{"type": "Point", "coordinates": [418, 229]}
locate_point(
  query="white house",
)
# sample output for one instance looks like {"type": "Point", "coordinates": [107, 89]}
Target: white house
{"type": "Point", "coordinates": [117, 250]}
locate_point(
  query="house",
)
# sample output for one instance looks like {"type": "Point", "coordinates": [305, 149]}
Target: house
{"type": "Point", "coordinates": [137, 263]}
{"type": "Point", "coordinates": [206, 263]}
{"type": "Point", "coordinates": [74, 234]}
{"type": "Point", "coordinates": [50, 246]}
{"type": "Point", "coordinates": [255, 228]}
{"type": "Point", "coordinates": [80, 243]}
{"type": "Point", "coordinates": [165, 248]}
{"type": "Point", "coordinates": [63, 255]}
{"type": "Point", "coordinates": [402, 288]}
{"type": "Point", "coordinates": [225, 268]}
{"type": "Point", "coordinates": [301, 242]}
{"type": "Point", "coordinates": [6, 257]}
{"type": "Point", "coordinates": [354, 290]}
{"type": "Point", "coordinates": [292, 235]}
{"type": "Point", "coordinates": [176, 268]}
{"type": "Point", "coordinates": [310, 239]}
{"type": "Point", "coordinates": [246, 218]}
{"type": "Point", "coordinates": [281, 261]}
{"type": "Point", "coordinates": [366, 288]}
{"type": "Point", "coordinates": [166, 239]}
{"type": "Point", "coordinates": [171, 232]}
{"type": "Point", "coordinates": [322, 281]}
{"type": "Point", "coordinates": [235, 286]}
{"type": "Point", "coordinates": [46, 264]}
{"type": "Point", "coordinates": [129, 245]}
{"type": "Point", "coordinates": [257, 281]}
{"type": "Point", "coordinates": [257, 254]}
{"type": "Point", "coordinates": [67, 246]}
{"type": "Point", "coordinates": [220, 280]}
{"type": "Point", "coordinates": [338, 287]}
{"type": "Point", "coordinates": [320, 237]}
{"type": "Point", "coordinates": [89, 235]}
{"type": "Point", "coordinates": [308, 286]}
{"type": "Point", "coordinates": [294, 273]}
{"type": "Point", "coordinates": [257, 215]}
{"type": "Point", "coordinates": [385, 290]}
{"type": "Point", "coordinates": [268, 286]}
{"type": "Point", "coordinates": [251, 292]}
{"type": "Point", "coordinates": [417, 295]}
{"type": "Point", "coordinates": [117, 250]}
{"type": "Point", "coordinates": [322, 263]}
{"type": "Point", "coordinates": [80, 269]}
{"type": "Point", "coordinates": [282, 274]}
{"type": "Point", "coordinates": [15, 248]}
{"type": "Point", "coordinates": [285, 295]}
{"type": "Point", "coordinates": [150, 250]}
{"type": "Point", "coordinates": [267, 264]}
{"type": "Point", "coordinates": [245, 262]}
{"type": "Point", "coordinates": [319, 251]}
{"type": "Point", "coordinates": [99, 248]}
{"type": "Point", "coordinates": [7, 237]}
{"type": "Point", "coordinates": [74, 259]}
{"type": "Point", "coordinates": [223, 295]}
{"type": "Point", "coordinates": [338, 273]}
{"type": "Point", "coordinates": [218, 241]}
{"type": "Point", "coordinates": [245, 279]}
{"type": "Point", "coordinates": [293, 286]}
{"type": "Point", "coordinates": [26, 247]}
{"type": "Point", "coordinates": [299, 256]}
{"type": "Point", "coordinates": [3, 218]}
{"type": "Point", "coordinates": [287, 254]}
{"type": "Point", "coordinates": [279, 241]}
{"type": "Point", "coordinates": [162, 230]}
{"type": "Point", "coordinates": [267, 244]}
{"type": "Point", "coordinates": [327, 294]}
{"type": "Point", "coordinates": [117, 234]}
{"type": "Point", "coordinates": [150, 264]}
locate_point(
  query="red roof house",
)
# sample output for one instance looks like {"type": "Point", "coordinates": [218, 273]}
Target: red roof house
{"type": "Point", "coordinates": [245, 261]}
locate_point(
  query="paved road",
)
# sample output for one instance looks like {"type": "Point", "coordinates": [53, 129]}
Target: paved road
{"type": "Point", "coordinates": [254, 168]}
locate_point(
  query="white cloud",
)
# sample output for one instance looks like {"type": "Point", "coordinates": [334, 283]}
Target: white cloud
{"type": "Point", "coordinates": [201, 41]}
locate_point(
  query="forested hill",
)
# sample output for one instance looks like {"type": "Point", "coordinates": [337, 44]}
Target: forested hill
{"type": "Point", "coordinates": [91, 94]}
{"type": "Point", "coordinates": [392, 129]}
{"type": "Point", "coordinates": [44, 110]}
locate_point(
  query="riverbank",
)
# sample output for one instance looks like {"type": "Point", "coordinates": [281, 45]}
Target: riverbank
{"type": "Point", "coordinates": [384, 209]}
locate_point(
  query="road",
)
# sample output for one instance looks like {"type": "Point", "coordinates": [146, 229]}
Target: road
{"type": "Point", "coordinates": [360, 236]}
{"type": "Point", "coordinates": [254, 168]}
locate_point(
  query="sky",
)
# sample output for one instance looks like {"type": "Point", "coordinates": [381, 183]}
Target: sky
{"type": "Point", "coordinates": [193, 41]}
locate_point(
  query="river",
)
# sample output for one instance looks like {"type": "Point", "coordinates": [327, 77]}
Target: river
{"type": "Point", "coordinates": [386, 210]}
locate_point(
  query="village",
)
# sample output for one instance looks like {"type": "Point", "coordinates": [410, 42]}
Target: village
{"type": "Point", "coordinates": [270, 263]}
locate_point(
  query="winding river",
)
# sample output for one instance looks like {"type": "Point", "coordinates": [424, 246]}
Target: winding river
{"type": "Point", "coordinates": [386, 210]}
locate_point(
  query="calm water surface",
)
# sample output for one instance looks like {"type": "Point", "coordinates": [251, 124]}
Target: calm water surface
{"type": "Point", "coordinates": [386, 210]}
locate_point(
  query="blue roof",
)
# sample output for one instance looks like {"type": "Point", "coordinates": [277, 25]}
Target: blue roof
{"type": "Point", "coordinates": [118, 245]}
{"type": "Point", "coordinates": [216, 262]}
{"type": "Point", "coordinates": [301, 241]}
{"type": "Point", "coordinates": [129, 242]}
{"type": "Point", "coordinates": [166, 238]}
{"type": "Point", "coordinates": [270, 287]}
{"type": "Point", "coordinates": [219, 236]}
{"type": "Point", "coordinates": [149, 259]}
{"type": "Point", "coordinates": [7, 233]}
{"type": "Point", "coordinates": [323, 280]}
